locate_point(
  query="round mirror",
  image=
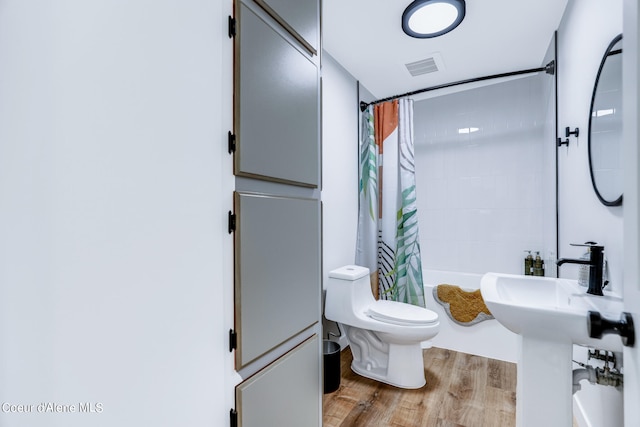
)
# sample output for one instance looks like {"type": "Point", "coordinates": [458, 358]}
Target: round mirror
{"type": "Point", "coordinates": [605, 127]}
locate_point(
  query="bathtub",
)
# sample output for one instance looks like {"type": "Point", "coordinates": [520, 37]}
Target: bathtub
{"type": "Point", "coordinates": [488, 338]}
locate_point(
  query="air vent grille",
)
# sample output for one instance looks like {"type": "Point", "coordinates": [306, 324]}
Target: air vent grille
{"type": "Point", "coordinates": [423, 66]}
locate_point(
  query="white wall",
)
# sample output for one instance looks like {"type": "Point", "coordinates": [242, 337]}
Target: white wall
{"type": "Point", "coordinates": [339, 165]}
{"type": "Point", "coordinates": [482, 195]}
{"type": "Point", "coordinates": [112, 118]}
{"type": "Point", "coordinates": [584, 34]}
{"type": "Point", "coordinates": [631, 98]}
{"type": "Point", "coordinates": [340, 120]}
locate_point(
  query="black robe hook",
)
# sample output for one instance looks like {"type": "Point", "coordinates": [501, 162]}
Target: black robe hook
{"type": "Point", "coordinates": [567, 132]}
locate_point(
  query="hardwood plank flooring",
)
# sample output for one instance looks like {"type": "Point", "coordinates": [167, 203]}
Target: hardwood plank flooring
{"type": "Point", "coordinates": [462, 390]}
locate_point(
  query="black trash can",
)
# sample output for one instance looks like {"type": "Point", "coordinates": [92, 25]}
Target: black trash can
{"type": "Point", "coordinates": [331, 363]}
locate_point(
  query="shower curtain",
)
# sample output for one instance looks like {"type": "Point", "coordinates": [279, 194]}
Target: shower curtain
{"type": "Point", "coordinates": [388, 241]}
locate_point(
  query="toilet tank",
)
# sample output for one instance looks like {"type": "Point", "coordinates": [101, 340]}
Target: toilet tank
{"type": "Point", "coordinates": [348, 292]}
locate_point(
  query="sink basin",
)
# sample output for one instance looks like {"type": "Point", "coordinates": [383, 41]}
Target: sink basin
{"type": "Point", "coordinates": [550, 315]}
{"type": "Point", "coordinates": [548, 308]}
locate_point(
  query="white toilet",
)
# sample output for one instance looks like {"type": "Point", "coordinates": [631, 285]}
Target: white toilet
{"type": "Point", "coordinates": [384, 336]}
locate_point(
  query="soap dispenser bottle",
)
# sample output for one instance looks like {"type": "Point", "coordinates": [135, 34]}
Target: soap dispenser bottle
{"type": "Point", "coordinates": [528, 264]}
{"type": "Point", "coordinates": [538, 265]}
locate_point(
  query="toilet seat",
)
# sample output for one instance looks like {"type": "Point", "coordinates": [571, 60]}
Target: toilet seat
{"type": "Point", "coordinates": [398, 313]}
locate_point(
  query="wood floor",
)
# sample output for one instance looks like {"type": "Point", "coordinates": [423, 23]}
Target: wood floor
{"type": "Point", "coordinates": [462, 390]}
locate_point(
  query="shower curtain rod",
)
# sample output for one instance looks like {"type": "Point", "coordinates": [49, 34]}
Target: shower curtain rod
{"type": "Point", "coordinates": [549, 69]}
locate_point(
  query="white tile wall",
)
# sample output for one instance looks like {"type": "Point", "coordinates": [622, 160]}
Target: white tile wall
{"type": "Point", "coordinates": [482, 195]}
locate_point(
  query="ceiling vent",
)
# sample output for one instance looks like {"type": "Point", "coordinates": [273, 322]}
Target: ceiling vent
{"type": "Point", "coordinates": [425, 66]}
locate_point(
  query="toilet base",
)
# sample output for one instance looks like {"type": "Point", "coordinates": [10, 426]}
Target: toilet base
{"type": "Point", "coordinates": [399, 365]}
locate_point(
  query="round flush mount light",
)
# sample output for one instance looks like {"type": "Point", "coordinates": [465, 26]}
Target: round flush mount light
{"type": "Point", "coordinates": [424, 19]}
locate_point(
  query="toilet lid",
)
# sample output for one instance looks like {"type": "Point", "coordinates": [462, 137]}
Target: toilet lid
{"type": "Point", "coordinates": [401, 313]}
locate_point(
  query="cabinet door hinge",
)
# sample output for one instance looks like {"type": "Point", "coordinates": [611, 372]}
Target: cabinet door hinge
{"type": "Point", "coordinates": [233, 340]}
{"type": "Point", "coordinates": [231, 143]}
{"type": "Point", "coordinates": [232, 222]}
{"type": "Point", "coordinates": [233, 418]}
{"type": "Point", "coordinates": [232, 27]}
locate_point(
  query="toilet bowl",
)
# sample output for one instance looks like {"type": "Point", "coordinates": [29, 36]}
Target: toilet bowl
{"type": "Point", "coordinates": [385, 336]}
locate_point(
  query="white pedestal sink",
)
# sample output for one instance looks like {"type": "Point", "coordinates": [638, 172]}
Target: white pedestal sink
{"type": "Point", "coordinates": [550, 315]}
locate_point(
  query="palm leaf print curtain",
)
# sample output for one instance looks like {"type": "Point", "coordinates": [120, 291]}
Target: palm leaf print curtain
{"type": "Point", "coordinates": [388, 239]}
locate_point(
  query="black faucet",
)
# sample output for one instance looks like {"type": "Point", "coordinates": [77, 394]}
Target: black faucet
{"type": "Point", "coordinates": [595, 263]}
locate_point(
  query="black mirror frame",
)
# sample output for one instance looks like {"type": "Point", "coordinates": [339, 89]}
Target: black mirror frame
{"type": "Point", "coordinates": [618, 201]}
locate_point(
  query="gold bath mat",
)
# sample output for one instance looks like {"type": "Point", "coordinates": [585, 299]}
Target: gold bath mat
{"type": "Point", "coordinates": [463, 307]}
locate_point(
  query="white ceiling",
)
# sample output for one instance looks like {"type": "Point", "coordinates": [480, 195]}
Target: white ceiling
{"type": "Point", "coordinates": [496, 36]}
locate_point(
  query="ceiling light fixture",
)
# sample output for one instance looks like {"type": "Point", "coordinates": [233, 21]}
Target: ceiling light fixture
{"type": "Point", "coordinates": [424, 19]}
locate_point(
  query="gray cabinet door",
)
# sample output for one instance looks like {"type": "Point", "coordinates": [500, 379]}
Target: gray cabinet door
{"type": "Point", "coordinates": [277, 272]}
{"type": "Point", "coordinates": [285, 394]}
{"type": "Point", "coordinates": [300, 17]}
{"type": "Point", "coordinates": [277, 105]}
